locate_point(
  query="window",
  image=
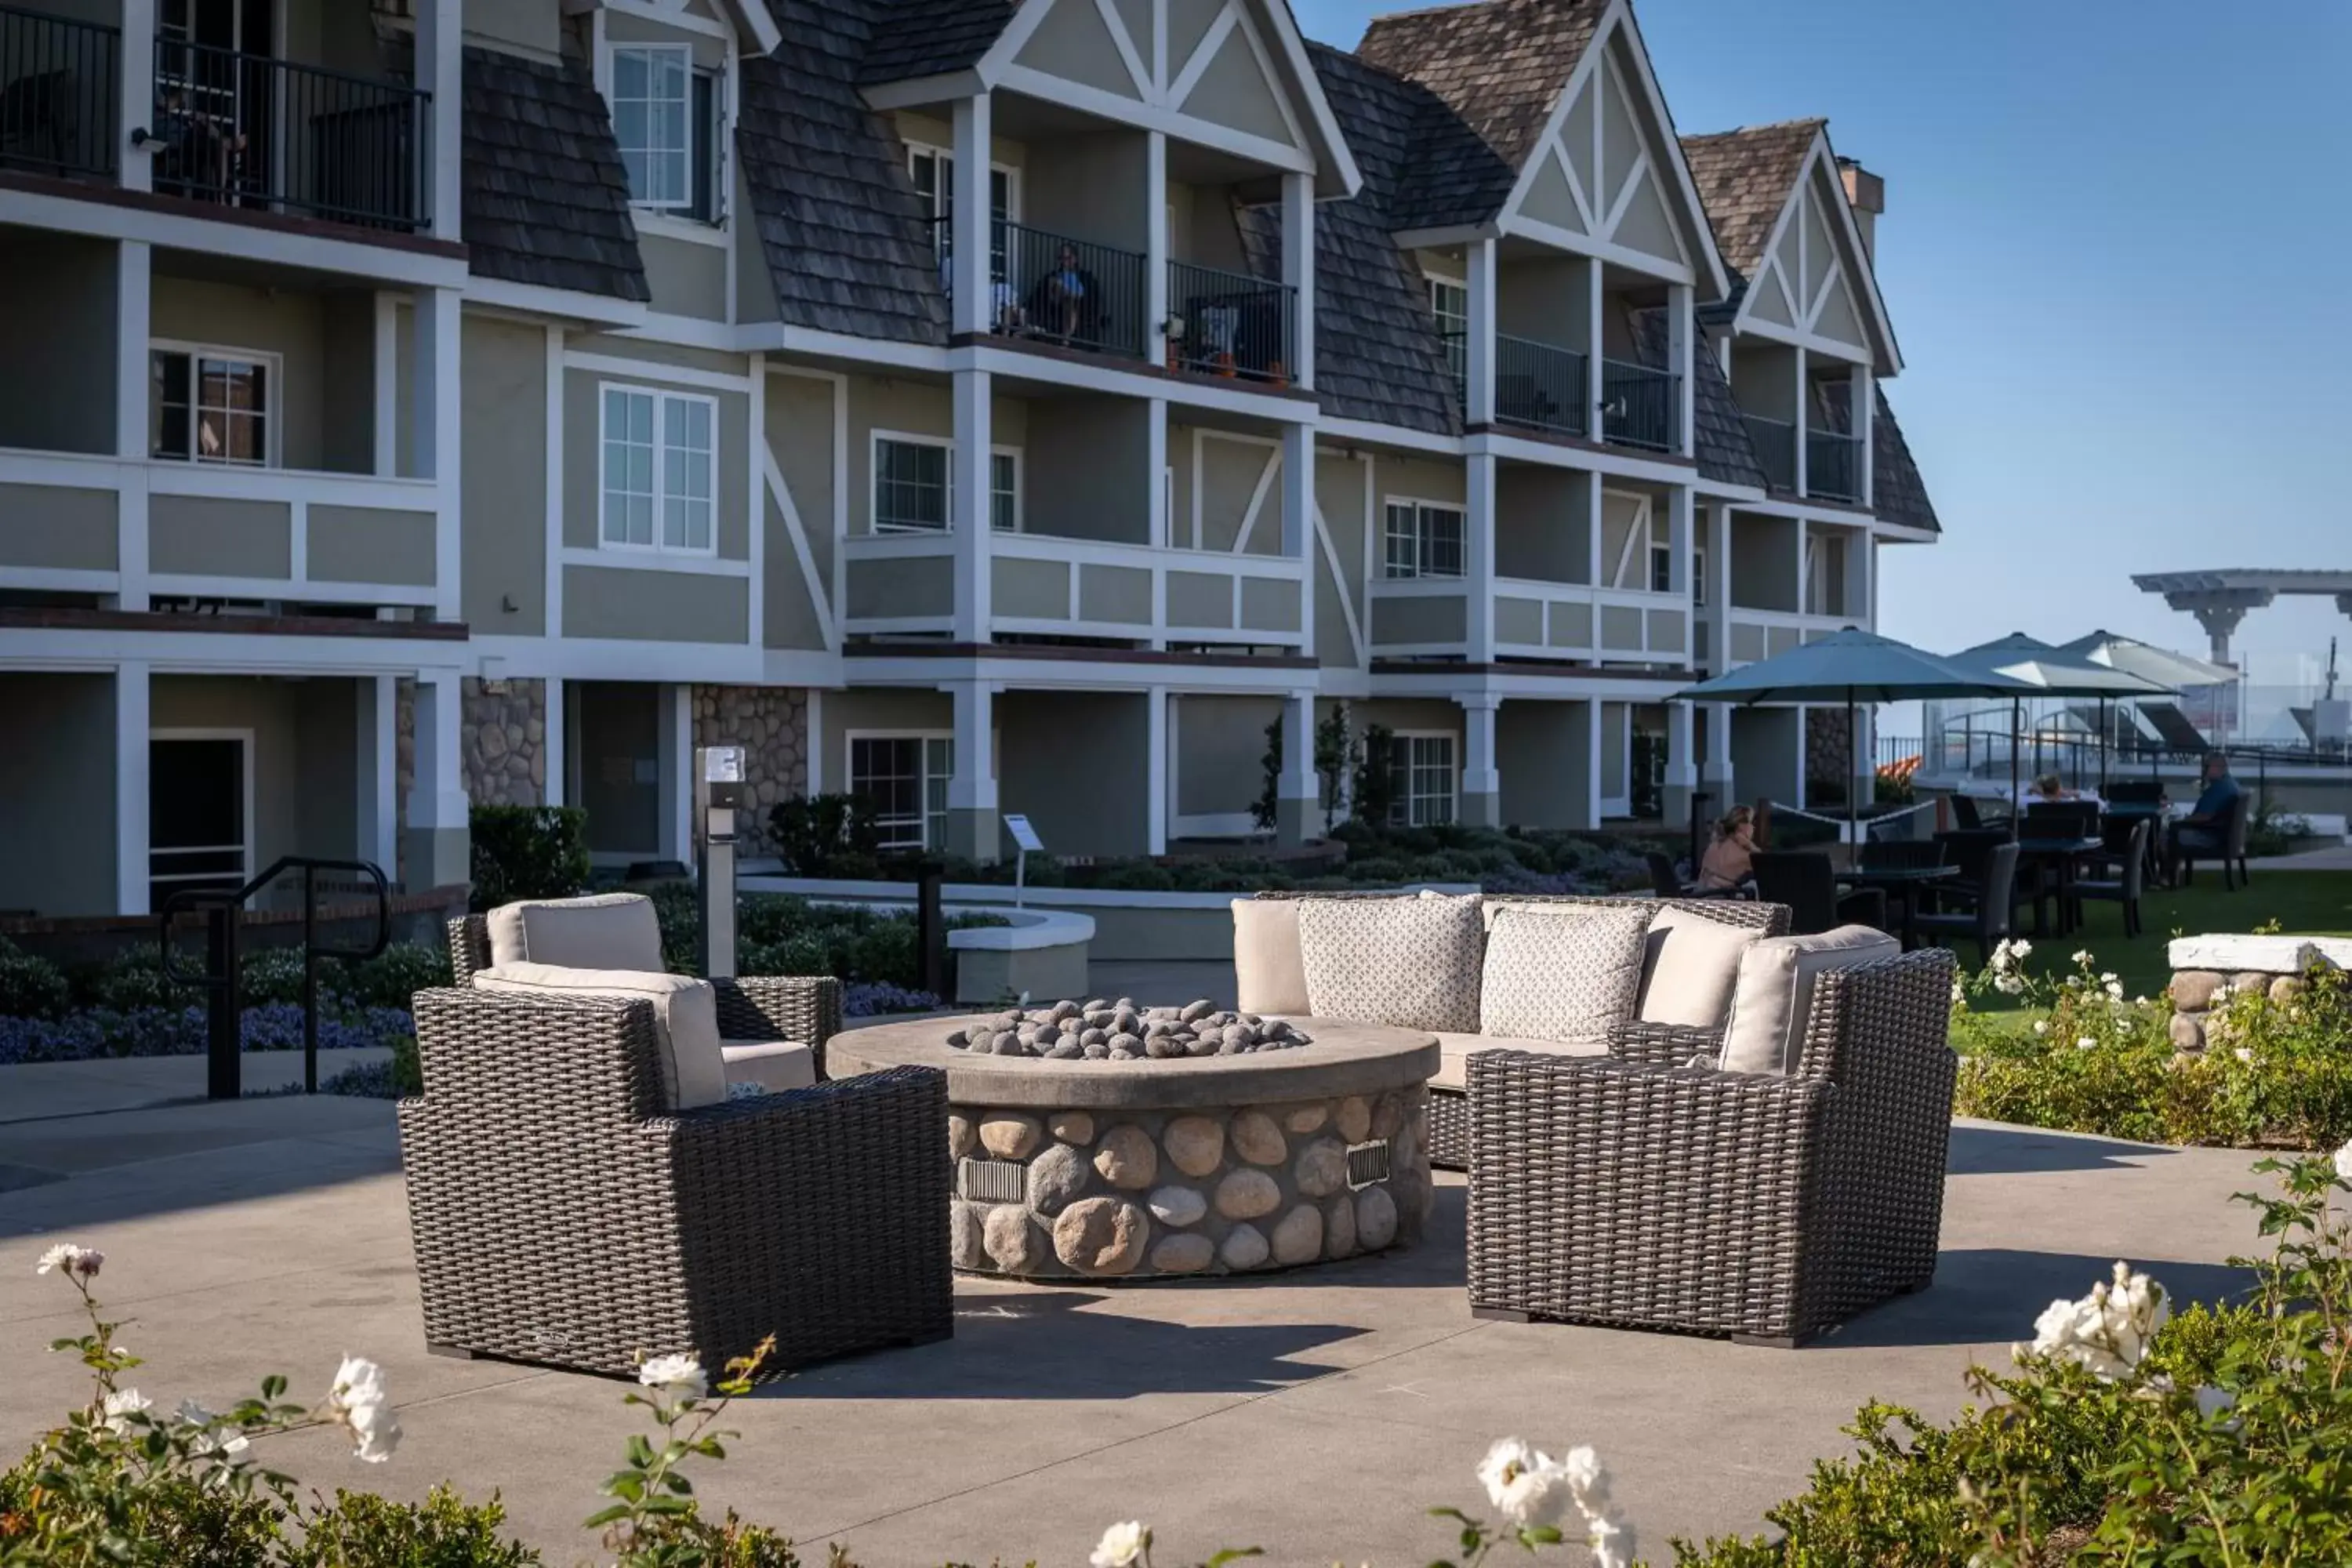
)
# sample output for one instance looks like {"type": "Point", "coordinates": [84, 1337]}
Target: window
{"type": "Point", "coordinates": [905, 779]}
{"type": "Point", "coordinates": [652, 120]}
{"type": "Point", "coordinates": [706, 196]}
{"type": "Point", "coordinates": [913, 485]}
{"type": "Point", "coordinates": [1422, 767]}
{"type": "Point", "coordinates": [1423, 541]}
{"type": "Point", "coordinates": [1449, 304]}
{"type": "Point", "coordinates": [207, 406]}
{"type": "Point", "coordinates": [1004, 493]}
{"type": "Point", "coordinates": [1661, 555]}
{"type": "Point", "coordinates": [1698, 575]}
{"type": "Point", "coordinates": [660, 471]}
{"type": "Point", "coordinates": [933, 171]}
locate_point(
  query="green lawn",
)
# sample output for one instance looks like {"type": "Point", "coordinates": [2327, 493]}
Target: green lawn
{"type": "Point", "coordinates": [2318, 902]}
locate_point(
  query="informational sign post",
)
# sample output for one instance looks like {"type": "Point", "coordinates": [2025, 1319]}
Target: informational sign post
{"type": "Point", "coordinates": [718, 796]}
{"type": "Point", "coordinates": [1024, 839]}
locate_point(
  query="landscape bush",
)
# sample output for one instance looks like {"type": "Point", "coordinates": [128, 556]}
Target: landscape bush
{"type": "Point", "coordinates": [815, 834]}
{"type": "Point", "coordinates": [101, 1033]}
{"type": "Point", "coordinates": [528, 852]}
{"type": "Point", "coordinates": [30, 986]}
{"type": "Point", "coordinates": [780, 934]}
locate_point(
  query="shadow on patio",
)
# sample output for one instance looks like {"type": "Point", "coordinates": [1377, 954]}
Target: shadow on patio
{"type": "Point", "coordinates": [1980, 1149]}
{"type": "Point", "coordinates": [1991, 1294]}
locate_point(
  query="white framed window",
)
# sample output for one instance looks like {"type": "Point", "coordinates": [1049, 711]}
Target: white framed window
{"type": "Point", "coordinates": [1449, 305]}
{"type": "Point", "coordinates": [653, 121]}
{"type": "Point", "coordinates": [1662, 554]}
{"type": "Point", "coordinates": [211, 404]}
{"type": "Point", "coordinates": [1698, 575]}
{"type": "Point", "coordinates": [933, 171]}
{"type": "Point", "coordinates": [658, 480]}
{"type": "Point", "coordinates": [1423, 539]}
{"type": "Point", "coordinates": [1427, 781]}
{"type": "Point", "coordinates": [903, 775]}
{"type": "Point", "coordinates": [914, 484]}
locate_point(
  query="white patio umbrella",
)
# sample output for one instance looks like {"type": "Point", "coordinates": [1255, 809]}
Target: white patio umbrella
{"type": "Point", "coordinates": [2048, 671]}
{"type": "Point", "coordinates": [1856, 666]}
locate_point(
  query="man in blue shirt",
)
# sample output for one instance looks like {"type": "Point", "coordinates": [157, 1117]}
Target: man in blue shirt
{"type": "Point", "coordinates": [2205, 830]}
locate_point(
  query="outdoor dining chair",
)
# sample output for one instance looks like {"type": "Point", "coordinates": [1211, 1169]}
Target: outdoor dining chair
{"type": "Point", "coordinates": [1982, 910]}
{"type": "Point", "coordinates": [2122, 874]}
{"type": "Point", "coordinates": [1807, 883]}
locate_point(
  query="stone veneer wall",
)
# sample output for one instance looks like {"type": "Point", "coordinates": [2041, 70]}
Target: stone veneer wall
{"type": "Point", "coordinates": [1138, 1194]}
{"type": "Point", "coordinates": [2203, 965]}
{"type": "Point", "coordinates": [502, 737]}
{"type": "Point", "coordinates": [1826, 751]}
{"type": "Point", "coordinates": [770, 723]}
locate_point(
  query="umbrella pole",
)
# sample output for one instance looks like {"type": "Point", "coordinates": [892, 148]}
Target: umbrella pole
{"type": "Point", "coordinates": [2103, 748]}
{"type": "Point", "coordinates": [2016, 806]}
{"type": "Point", "coordinates": [1852, 790]}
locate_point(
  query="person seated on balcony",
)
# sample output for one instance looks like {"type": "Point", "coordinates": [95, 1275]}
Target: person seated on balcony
{"type": "Point", "coordinates": [1729, 864]}
{"type": "Point", "coordinates": [1066, 299]}
{"type": "Point", "coordinates": [198, 152]}
{"type": "Point", "coordinates": [2205, 830]}
{"type": "Point", "coordinates": [1004, 308]}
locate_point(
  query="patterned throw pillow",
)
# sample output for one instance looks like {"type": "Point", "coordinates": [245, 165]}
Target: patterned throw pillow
{"type": "Point", "coordinates": [1411, 962]}
{"type": "Point", "coordinates": [1564, 974]}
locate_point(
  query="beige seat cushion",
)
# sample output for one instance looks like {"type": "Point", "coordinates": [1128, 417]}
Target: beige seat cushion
{"type": "Point", "coordinates": [1563, 972]}
{"type": "Point", "coordinates": [774, 1065]}
{"type": "Point", "coordinates": [686, 1018]}
{"type": "Point", "coordinates": [602, 931]}
{"type": "Point", "coordinates": [1765, 1032]}
{"type": "Point", "coordinates": [1411, 962]}
{"type": "Point", "coordinates": [1457, 1050]}
{"type": "Point", "coordinates": [1691, 967]}
{"type": "Point", "coordinates": [1267, 966]}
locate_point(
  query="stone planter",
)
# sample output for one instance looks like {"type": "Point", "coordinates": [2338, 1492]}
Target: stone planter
{"type": "Point", "coordinates": [2203, 965]}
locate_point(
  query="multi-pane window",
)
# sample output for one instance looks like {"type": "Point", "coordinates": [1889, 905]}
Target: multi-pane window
{"type": "Point", "coordinates": [660, 471]}
{"type": "Point", "coordinates": [905, 779]}
{"type": "Point", "coordinates": [1422, 769]}
{"type": "Point", "coordinates": [933, 172]}
{"type": "Point", "coordinates": [1698, 575]}
{"type": "Point", "coordinates": [1003, 492]}
{"type": "Point", "coordinates": [1449, 304]}
{"type": "Point", "coordinates": [208, 407]}
{"type": "Point", "coordinates": [914, 486]}
{"type": "Point", "coordinates": [1662, 554]}
{"type": "Point", "coordinates": [1421, 541]}
{"type": "Point", "coordinates": [653, 121]}
{"type": "Point", "coordinates": [707, 191]}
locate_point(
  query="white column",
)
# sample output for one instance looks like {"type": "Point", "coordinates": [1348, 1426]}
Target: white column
{"type": "Point", "coordinates": [1595, 537]}
{"type": "Point", "coordinates": [434, 427]}
{"type": "Point", "coordinates": [1718, 586]}
{"type": "Point", "coordinates": [1682, 333]}
{"type": "Point", "coordinates": [132, 284]}
{"type": "Point", "coordinates": [1863, 403]}
{"type": "Point", "coordinates": [1682, 533]}
{"type": "Point", "coordinates": [131, 727]}
{"type": "Point", "coordinates": [1478, 557]}
{"type": "Point", "coordinates": [1157, 784]}
{"type": "Point", "coordinates": [1294, 794]}
{"type": "Point", "coordinates": [1155, 457]}
{"type": "Point", "coordinates": [1156, 255]}
{"type": "Point", "coordinates": [377, 703]}
{"type": "Point", "coordinates": [440, 63]}
{"type": "Point", "coordinates": [438, 810]}
{"type": "Point", "coordinates": [968, 492]}
{"type": "Point", "coordinates": [555, 748]}
{"type": "Point", "coordinates": [674, 741]}
{"type": "Point", "coordinates": [1298, 479]}
{"type": "Point", "coordinates": [968, 281]}
{"type": "Point", "coordinates": [1481, 784]}
{"type": "Point", "coordinates": [1801, 416]}
{"type": "Point", "coordinates": [136, 107]}
{"type": "Point", "coordinates": [1298, 270]}
{"type": "Point", "coordinates": [1596, 383]}
{"type": "Point", "coordinates": [1478, 354]}
{"type": "Point", "coordinates": [1592, 744]}
{"type": "Point", "coordinates": [972, 827]}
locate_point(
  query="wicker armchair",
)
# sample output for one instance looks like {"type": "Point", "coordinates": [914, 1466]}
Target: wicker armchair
{"type": "Point", "coordinates": [1634, 1190]}
{"type": "Point", "coordinates": [561, 1214]}
{"type": "Point", "coordinates": [802, 1007]}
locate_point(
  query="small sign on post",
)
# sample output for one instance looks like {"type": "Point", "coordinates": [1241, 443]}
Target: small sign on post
{"type": "Point", "coordinates": [1024, 839]}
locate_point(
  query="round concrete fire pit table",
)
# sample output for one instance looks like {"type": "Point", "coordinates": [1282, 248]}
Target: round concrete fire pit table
{"type": "Point", "coordinates": [1183, 1165]}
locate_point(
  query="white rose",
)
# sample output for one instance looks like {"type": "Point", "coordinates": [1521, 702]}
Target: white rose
{"type": "Point", "coordinates": [2344, 1163]}
{"type": "Point", "coordinates": [1525, 1484]}
{"type": "Point", "coordinates": [2040, 1025]}
{"type": "Point", "coordinates": [120, 1406]}
{"type": "Point", "coordinates": [1121, 1545]}
{"type": "Point", "coordinates": [681, 1376]}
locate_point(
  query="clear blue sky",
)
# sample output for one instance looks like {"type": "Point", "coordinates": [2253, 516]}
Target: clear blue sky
{"type": "Point", "coordinates": [2115, 255]}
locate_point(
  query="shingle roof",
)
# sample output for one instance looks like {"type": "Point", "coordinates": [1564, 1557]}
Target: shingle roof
{"type": "Point", "coordinates": [1743, 177]}
{"type": "Point", "coordinates": [929, 38]}
{"type": "Point", "coordinates": [1499, 66]}
{"type": "Point", "coordinates": [546, 199]}
{"type": "Point", "coordinates": [1897, 492]}
{"type": "Point", "coordinates": [1724, 453]}
{"type": "Point", "coordinates": [846, 239]}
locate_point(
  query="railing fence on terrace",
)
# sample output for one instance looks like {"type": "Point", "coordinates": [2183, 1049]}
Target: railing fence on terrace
{"type": "Point", "coordinates": [1232, 323]}
{"type": "Point", "coordinates": [60, 87]}
{"type": "Point", "coordinates": [1641, 406]}
{"type": "Point", "coordinates": [1054, 288]}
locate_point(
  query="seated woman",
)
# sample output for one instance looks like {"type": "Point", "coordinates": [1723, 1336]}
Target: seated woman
{"type": "Point", "coordinates": [2050, 788]}
{"type": "Point", "coordinates": [1728, 865]}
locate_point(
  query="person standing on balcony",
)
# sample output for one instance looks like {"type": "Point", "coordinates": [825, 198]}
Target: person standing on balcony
{"type": "Point", "coordinates": [1065, 297]}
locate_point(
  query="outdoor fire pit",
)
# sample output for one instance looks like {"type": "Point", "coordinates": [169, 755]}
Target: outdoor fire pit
{"type": "Point", "coordinates": [1246, 1144]}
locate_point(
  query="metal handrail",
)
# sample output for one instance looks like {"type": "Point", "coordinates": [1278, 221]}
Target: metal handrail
{"type": "Point", "coordinates": [1833, 464]}
{"type": "Point", "coordinates": [225, 1041]}
{"type": "Point", "coordinates": [60, 80]}
{"type": "Point", "coordinates": [1640, 405]}
{"type": "Point", "coordinates": [1775, 441]}
{"type": "Point", "coordinates": [1541, 385]}
{"type": "Point", "coordinates": [1230, 323]}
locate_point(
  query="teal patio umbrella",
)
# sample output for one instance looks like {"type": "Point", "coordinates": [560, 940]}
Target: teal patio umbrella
{"type": "Point", "coordinates": [1853, 667]}
{"type": "Point", "coordinates": [2050, 671]}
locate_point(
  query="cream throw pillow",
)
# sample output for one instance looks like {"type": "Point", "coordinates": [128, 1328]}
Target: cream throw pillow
{"type": "Point", "coordinates": [685, 1018]}
{"type": "Point", "coordinates": [1566, 973]}
{"type": "Point", "coordinates": [1411, 962]}
{"type": "Point", "coordinates": [1774, 996]}
{"type": "Point", "coordinates": [1267, 970]}
{"type": "Point", "coordinates": [602, 931]}
{"type": "Point", "coordinates": [1690, 967]}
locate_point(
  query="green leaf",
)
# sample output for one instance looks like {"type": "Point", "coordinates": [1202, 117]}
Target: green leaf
{"type": "Point", "coordinates": [641, 1453]}
{"type": "Point", "coordinates": [604, 1516]}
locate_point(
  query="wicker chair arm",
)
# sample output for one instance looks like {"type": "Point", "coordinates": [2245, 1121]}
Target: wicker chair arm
{"type": "Point", "coordinates": [1663, 1045]}
{"type": "Point", "coordinates": [802, 1007]}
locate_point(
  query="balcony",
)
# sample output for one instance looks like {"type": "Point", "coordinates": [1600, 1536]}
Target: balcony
{"type": "Point", "coordinates": [1230, 324]}
{"type": "Point", "coordinates": [1832, 465]}
{"type": "Point", "coordinates": [1775, 441]}
{"type": "Point", "coordinates": [223, 127]}
{"type": "Point", "coordinates": [1051, 288]}
{"type": "Point", "coordinates": [1428, 617]}
{"type": "Point", "coordinates": [1640, 406]}
{"type": "Point", "coordinates": [1539, 386]}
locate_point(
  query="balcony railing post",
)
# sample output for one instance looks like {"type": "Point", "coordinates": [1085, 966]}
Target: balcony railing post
{"type": "Point", "coordinates": [1234, 324]}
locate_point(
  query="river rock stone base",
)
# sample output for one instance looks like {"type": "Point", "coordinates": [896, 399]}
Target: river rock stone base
{"type": "Point", "coordinates": [1148, 1195]}
{"type": "Point", "coordinates": [2207, 971]}
{"type": "Point", "coordinates": [1120, 1031]}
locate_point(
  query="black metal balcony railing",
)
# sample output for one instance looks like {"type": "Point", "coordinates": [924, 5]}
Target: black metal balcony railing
{"type": "Point", "coordinates": [252, 131]}
{"type": "Point", "coordinates": [60, 85]}
{"type": "Point", "coordinates": [1640, 406]}
{"type": "Point", "coordinates": [1230, 323]}
{"type": "Point", "coordinates": [1775, 441]}
{"type": "Point", "coordinates": [1832, 465]}
{"type": "Point", "coordinates": [1540, 385]}
{"type": "Point", "coordinates": [1055, 290]}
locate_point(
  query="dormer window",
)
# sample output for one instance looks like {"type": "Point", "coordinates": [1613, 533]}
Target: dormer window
{"type": "Point", "coordinates": [669, 119]}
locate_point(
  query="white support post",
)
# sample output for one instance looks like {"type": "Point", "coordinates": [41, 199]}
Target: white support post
{"type": "Point", "coordinates": [1478, 353]}
{"type": "Point", "coordinates": [1804, 567]}
{"type": "Point", "coordinates": [133, 321]}
{"type": "Point", "coordinates": [1478, 557]}
{"type": "Point", "coordinates": [1481, 784]}
{"type": "Point", "coordinates": [1594, 538]}
{"type": "Point", "coordinates": [435, 429]}
{"type": "Point", "coordinates": [674, 768]}
{"type": "Point", "coordinates": [440, 69]}
{"type": "Point", "coordinates": [1718, 586]}
{"type": "Point", "coordinates": [377, 703]}
{"type": "Point", "coordinates": [973, 829]}
{"type": "Point", "coordinates": [969, 280]}
{"type": "Point", "coordinates": [1801, 417]}
{"type": "Point", "coordinates": [132, 728]}
{"type": "Point", "coordinates": [968, 502]}
{"type": "Point", "coordinates": [813, 742]}
{"type": "Point", "coordinates": [554, 748]}
{"type": "Point", "coordinates": [438, 810]}
{"type": "Point", "coordinates": [1681, 333]}
{"type": "Point", "coordinates": [1682, 532]}
{"type": "Point", "coordinates": [385, 404]}
{"type": "Point", "coordinates": [1294, 792]}
{"type": "Point", "coordinates": [1156, 249]}
{"type": "Point", "coordinates": [1156, 784]}
{"type": "Point", "coordinates": [1299, 520]}
{"type": "Point", "coordinates": [1298, 271]}
{"type": "Point", "coordinates": [1682, 765]}
{"type": "Point", "coordinates": [136, 108]}
{"type": "Point", "coordinates": [1862, 404]}
{"type": "Point", "coordinates": [1592, 758]}
{"type": "Point", "coordinates": [1596, 379]}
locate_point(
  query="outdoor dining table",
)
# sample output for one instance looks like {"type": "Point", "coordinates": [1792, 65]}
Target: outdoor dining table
{"type": "Point", "coordinates": [1905, 880]}
{"type": "Point", "coordinates": [2063, 853]}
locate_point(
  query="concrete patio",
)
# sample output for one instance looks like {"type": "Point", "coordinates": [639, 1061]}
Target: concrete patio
{"type": "Point", "coordinates": [1315, 1415]}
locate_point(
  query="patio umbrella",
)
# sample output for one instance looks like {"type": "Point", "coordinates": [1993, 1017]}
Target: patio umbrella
{"type": "Point", "coordinates": [2053, 672]}
{"type": "Point", "coordinates": [1858, 667]}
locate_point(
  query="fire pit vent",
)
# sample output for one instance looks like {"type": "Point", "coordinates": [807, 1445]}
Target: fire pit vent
{"type": "Point", "coordinates": [996, 1181]}
{"type": "Point", "coordinates": [1367, 1162]}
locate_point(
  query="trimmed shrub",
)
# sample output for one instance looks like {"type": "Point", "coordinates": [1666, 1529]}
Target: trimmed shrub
{"type": "Point", "coordinates": [814, 833]}
{"type": "Point", "coordinates": [528, 852]}
{"type": "Point", "coordinates": [31, 987]}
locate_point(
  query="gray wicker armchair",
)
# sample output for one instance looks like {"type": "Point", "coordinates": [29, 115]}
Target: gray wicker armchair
{"type": "Point", "coordinates": [1631, 1189]}
{"type": "Point", "coordinates": [563, 1215]}
{"type": "Point", "coordinates": [802, 1007]}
